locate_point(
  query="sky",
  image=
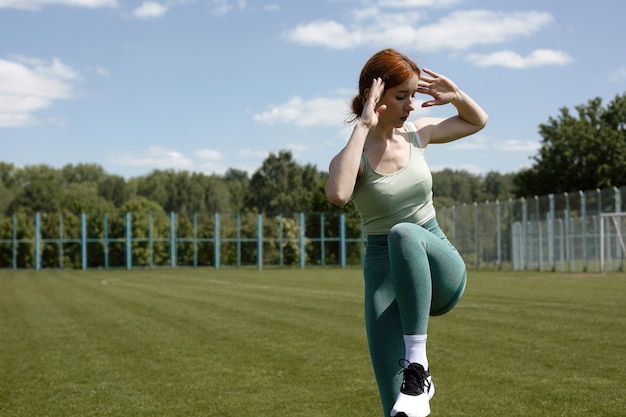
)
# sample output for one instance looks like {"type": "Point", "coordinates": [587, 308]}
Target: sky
{"type": "Point", "coordinates": [209, 85]}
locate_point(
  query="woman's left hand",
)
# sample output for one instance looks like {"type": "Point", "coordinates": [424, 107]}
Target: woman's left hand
{"type": "Point", "coordinates": [440, 88]}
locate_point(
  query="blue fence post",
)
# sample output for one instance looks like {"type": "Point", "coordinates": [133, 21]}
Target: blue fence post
{"type": "Point", "coordinates": [280, 240]}
{"type": "Point", "coordinates": [523, 253]}
{"type": "Point", "coordinates": [322, 243]}
{"type": "Point", "coordinates": [83, 240]}
{"type": "Point", "coordinates": [476, 245]}
{"type": "Point", "coordinates": [61, 240]}
{"type": "Point", "coordinates": [302, 238]}
{"type": "Point", "coordinates": [566, 223]}
{"type": "Point", "coordinates": [195, 240]}
{"type": "Point", "coordinates": [238, 244]}
{"type": "Point", "coordinates": [551, 216]}
{"type": "Point", "coordinates": [456, 242]}
{"type": "Point", "coordinates": [499, 234]}
{"type": "Point", "coordinates": [583, 221]}
{"type": "Point", "coordinates": [618, 209]}
{"type": "Point", "coordinates": [37, 241]}
{"type": "Point", "coordinates": [14, 241]}
{"type": "Point", "coordinates": [150, 241]}
{"type": "Point", "coordinates": [342, 239]}
{"type": "Point", "coordinates": [173, 239]}
{"type": "Point", "coordinates": [259, 241]}
{"type": "Point", "coordinates": [129, 242]}
{"type": "Point", "coordinates": [106, 241]}
{"type": "Point", "coordinates": [216, 240]}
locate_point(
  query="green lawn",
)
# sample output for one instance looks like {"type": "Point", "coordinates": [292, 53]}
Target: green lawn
{"type": "Point", "coordinates": [291, 342]}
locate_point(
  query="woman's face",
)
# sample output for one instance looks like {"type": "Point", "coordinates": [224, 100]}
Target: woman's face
{"type": "Point", "coordinates": [400, 102]}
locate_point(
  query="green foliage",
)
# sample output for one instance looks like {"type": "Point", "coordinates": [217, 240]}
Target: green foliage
{"type": "Point", "coordinates": [280, 185]}
{"type": "Point", "coordinates": [278, 191]}
{"type": "Point", "coordinates": [237, 182]}
{"type": "Point", "coordinates": [579, 152]}
{"type": "Point", "coordinates": [451, 187]}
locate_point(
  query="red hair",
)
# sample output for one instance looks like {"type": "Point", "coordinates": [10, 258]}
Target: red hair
{"type": "Point", "coordinates": [391, 66]}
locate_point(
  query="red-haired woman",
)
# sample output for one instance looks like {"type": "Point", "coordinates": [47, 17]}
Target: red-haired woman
{"type": "Point", "coordinates": [411, 270]}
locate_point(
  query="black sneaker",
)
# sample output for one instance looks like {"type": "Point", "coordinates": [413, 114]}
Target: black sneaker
{"type": "Point", "coordinates": [416, 390]}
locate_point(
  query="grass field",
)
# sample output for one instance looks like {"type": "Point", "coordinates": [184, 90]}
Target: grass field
{"type": "Point", "coordinates": [286, 342]}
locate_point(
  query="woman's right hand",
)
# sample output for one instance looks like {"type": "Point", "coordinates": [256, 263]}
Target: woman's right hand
{"type": "Point", "coordinates": [370, 113]}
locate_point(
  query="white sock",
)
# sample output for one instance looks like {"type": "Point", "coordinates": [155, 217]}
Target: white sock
{"type": "Point", "coordinates": [415, 345]}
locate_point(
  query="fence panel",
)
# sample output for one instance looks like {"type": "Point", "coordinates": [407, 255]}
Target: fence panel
{"type": "Point", "coordinates": [555, 232]}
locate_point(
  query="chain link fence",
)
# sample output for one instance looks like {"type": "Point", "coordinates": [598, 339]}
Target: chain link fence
{"type": "Point", "coordinates": [556, 232]}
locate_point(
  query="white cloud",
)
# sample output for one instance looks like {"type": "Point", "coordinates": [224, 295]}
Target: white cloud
{"type": "Point", "coordinates": [209, 154]}
{"type": "Point", "coordinates": [618, 75]}
{"type": "Point", "coordinates": [471, 143]}
{"type": "Point", "coordinates": [477, 142]}
{"type": "Point", "coordinates": [297, 147]}
{"type": "Point", "coordinates": [102, 72]}
{"type": "Point", "coordinates": [418, 3]}
{"type": "Point", "coordinates": [464, 29]}
{"type": "Point", "coordinates": [516, 145]}
{"type": "Point", "coordinates": [39, 4]}
{"type": "Point", "coordinates": [459, 30]}
{"type": "Point", "coordinates": [249, 153]}
{"type": "Point", "coordinates": [30, 84]}
{"type": "Point", "coordinates": [149, 10]}
{"type": "Point", "coordinates": [155, 156]}
{"type": "Point", "coordinates": [325, 33]}
{"type": "Point", "coordinates": [369, 26]}
{"type": "Point", "coordinates": [222, 7]}
{"type": "Point", "coordinates": [510, 59]}
{"type": "Point", "coordinates": [320, 111]}
{"type": "Point", "coordinates": [210, 168]}
{"type": "Point", "coordinates": [272, 7]}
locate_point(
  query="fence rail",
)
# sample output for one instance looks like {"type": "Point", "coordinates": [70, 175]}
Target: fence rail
{"type": "Point", "coordinates": [564, 232]}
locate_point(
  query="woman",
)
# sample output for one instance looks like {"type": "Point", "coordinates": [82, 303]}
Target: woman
{"type": "Point", "coordinates": [411, 270]}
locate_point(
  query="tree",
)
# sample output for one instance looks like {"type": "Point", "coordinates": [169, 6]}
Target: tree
{"type": "Point", "coordinates": [279, 185]}
{"type": "Point", "coordinates": [38, 195]}
{"type": "Point", "coordinates": [81, 173]}
{"type": "Point", "coordinates": [183, 192]}
{"type": "Point", "coordinates": [7, 174]}
{"type": "Point", "coordinates": [452, 187]}
{"type": "Point", "coordinates": [579, 153]}
{"type": "Point", "coordinates": [498, 186]}
{"type": "Point", "coordinates": [237, 182]}
{"type": "Point", "coordinates": [114, 189]}
{"type": "Point", "coordinates": [217, 195]}
{"type": "Point", "coordinates": [6, 197]}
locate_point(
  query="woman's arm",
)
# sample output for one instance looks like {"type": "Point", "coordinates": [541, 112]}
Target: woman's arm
{"type": "Point", "coordinates": [470, 116]}
{"type": "Point", "coordinates": [345, 167]}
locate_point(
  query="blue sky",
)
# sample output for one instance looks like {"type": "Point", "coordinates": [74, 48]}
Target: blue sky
{"type": "Point", "coordinates": [207, 85]}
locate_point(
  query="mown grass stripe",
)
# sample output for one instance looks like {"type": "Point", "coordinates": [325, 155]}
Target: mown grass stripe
{"type": "Point", "coordinates": [278, 342]}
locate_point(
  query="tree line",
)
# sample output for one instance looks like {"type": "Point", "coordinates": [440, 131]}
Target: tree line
{"type": "Point", "coordinates": [580, 150]}
{"type": "Point", "coordinates": [280, 185]}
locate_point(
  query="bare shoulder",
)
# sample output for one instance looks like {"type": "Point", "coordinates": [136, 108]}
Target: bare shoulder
{"type": "Point", "coordinates": [425, 127]}
{"type": "Point", "coordinates": [425, 122]}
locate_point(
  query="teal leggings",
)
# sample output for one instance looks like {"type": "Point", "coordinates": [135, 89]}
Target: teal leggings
{"type": "Point", "coordinates": [410, 274]}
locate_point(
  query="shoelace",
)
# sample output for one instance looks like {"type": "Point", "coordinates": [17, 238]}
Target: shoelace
{"type": "Point", "coordinates": [415, 379]}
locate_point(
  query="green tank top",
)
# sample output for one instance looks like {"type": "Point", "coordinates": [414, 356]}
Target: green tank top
{"type": "Point", "coordinates": [403, 196]}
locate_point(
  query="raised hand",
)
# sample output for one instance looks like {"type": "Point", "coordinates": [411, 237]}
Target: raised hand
{"type": "Point", "coordinates": [370, 112]}
{"type": "Point", "coordinates": [440, 88]}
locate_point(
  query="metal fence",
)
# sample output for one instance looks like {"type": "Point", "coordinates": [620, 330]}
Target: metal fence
{"type": "Point", "coordinates": [562, 232]}
{"type": "Point", "coordinates": [556, 232]}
